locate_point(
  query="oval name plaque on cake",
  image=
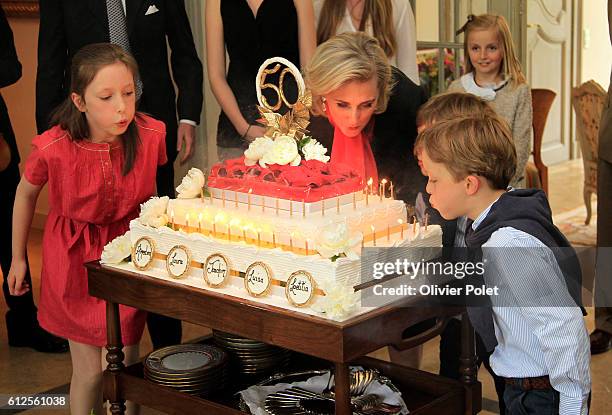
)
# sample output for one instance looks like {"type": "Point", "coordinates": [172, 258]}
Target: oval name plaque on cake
{"type": "Point", "coordinates": [142, 253]}
{"type": "Point", "coordinates": [300, 288]}
{"type": "Point", "coordinates": [216, 270]}
{"type": "Point", "coordinates": [258, 279]}
{"type": "Point", "coordinates": [177, 261]}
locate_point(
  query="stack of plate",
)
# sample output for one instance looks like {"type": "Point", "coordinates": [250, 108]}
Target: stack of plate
{"type": "Point", "coordinates": [252, 357]}
{"type": "Point", "coordinates": [197, 369]}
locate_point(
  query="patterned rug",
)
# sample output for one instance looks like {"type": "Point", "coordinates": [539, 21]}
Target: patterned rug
{"type": "Point", "coordinates": [572, 225]}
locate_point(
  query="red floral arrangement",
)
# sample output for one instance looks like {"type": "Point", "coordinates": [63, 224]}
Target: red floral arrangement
{"type": "Point", "coordinates": [311, 181]}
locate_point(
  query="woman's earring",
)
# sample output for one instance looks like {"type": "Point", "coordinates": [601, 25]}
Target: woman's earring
{"type": "Point", "coordinates": [323, 106]}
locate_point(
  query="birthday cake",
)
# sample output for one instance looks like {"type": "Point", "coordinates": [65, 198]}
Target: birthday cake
{"type": "Point", "coordinates": [280, 225]}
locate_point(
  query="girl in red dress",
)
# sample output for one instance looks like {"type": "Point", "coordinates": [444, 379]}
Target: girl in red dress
{"type": "Point", "coordinates": [99, 161]}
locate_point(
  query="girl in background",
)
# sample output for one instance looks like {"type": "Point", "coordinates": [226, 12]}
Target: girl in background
{"type": "Point", "coordinates": [391, 22]}
{"type": "Point", "coordinates": [100, 161]}
{"type": "Point", "coordinates": [493, 72]}
{"type": "Point", "coordinates": [251, 31]}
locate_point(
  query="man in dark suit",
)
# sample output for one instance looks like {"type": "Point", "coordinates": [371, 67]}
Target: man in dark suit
{"type": "Point", "coordinates": [68, 25]}
{"type": "Point", "coordinates": [601, 338]}
{"type": "Point", "coordinates": [21, 322]}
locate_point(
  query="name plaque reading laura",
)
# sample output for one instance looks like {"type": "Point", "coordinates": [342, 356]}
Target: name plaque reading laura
{"type": "Point", "coordinates": [142, 253]}
{"type": "Point", "coordinates": [300, 289]}
{"type": "Point", "coordinates": [216, 270]}
{"type": "Point", "coordinates": [258, 279]}
{"type": "Point", "coordinates": [177, 261]}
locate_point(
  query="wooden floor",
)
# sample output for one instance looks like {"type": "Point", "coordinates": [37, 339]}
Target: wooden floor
{"type": "Point", "coordinates": [25, 371]}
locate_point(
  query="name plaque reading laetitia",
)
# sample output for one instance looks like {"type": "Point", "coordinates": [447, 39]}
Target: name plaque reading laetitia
{"type": "Point", "coordinates": [142, 253]}
{"type": "Point", "coordinates": [300, 288]}
{"type": "Point", "coordinates": [216, 270]}
{"type": "Point", "coordinates": [258, 279]}
{"type": "Point", "coordinates": [178, 261]}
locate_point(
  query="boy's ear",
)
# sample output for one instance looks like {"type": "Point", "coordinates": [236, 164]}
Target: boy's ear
{"type": "Point", "coordinates": [78, 101]}
{"type": "Point", "coordinates": [472, 184]}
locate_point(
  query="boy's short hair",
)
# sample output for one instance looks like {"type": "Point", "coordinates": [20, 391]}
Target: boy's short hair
{"type": "Point", "coordinates": [473, 144]}
{"type": "Point", "coordinates": [450, 105]}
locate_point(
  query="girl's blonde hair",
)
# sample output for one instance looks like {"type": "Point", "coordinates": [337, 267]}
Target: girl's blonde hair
{"type": "Point", "coordinates": [86, 63]}
{"type": "Point", "coordinates": [380, 11]}
{"type": "Point", "coordinates": [351, 56]}
{"type": "Point", "coordinates": [511, 66]}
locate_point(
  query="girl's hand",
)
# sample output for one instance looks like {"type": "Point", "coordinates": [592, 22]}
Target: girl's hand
{"type": "Point", "coordinates": [16, 277]}
{"type": "Point", "coordinates": [255, 130]}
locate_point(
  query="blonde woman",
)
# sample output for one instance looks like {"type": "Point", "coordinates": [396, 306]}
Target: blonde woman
{"type": "Point", "coordinates": [372, 108]}
{"type": "Point", "coordinates": [250, 31]}
{"type": "Point", "coordinates": [391, 22]}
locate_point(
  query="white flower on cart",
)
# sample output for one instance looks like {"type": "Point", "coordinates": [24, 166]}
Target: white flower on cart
{"type": "Point", "coordinates": [339, 300]}
{"type": "Point", "coordinates": [334, 240]}
{"type": "Point", "coordinates": [192, 184]}
{"type": "Point", "coordinates": [313, 150]}
{"type": "Point", "coordinates": [283, 151]}
{"type": "Point", "coordinates": [117, 250]}
{"type": "Point", "coordinates": [256, 150]}
{"type": "Point", "coordinates": [153, 212]}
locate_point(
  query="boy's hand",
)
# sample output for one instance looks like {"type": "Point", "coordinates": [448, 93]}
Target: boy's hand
{"type": "Point", "coordinates": [16, 277]}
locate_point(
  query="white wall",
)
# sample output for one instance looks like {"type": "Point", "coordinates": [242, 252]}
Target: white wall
{"type": "Point", "coordinates": [596, 51]}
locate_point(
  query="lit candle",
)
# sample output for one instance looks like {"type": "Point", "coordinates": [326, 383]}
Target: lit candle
{"type": "Point", "coordinates": [391, 189]}
{"type": "Point", "coordinates": [249, 200]}
{"type": "Point", "coordinates": [383, 183]}
{"type": "Point", "coordinates": [200, 223]}
{"type": "Point", "coordinates": [303, 208]}
{"type": "Point", "coordinates": [223, 198]}
{"type": "Point", "coordinates": [426, 220]}
{"type": "Point", "coordinates": [306, 242]}
{"type": "Point", "coordinates": [244, 233]}
{"type": "Point", "coordinates": [371, 185]}
{"type": "Point", "coordinates": [187, 222]}
{"type": "Point", "coordinates": [373, 234]}
{"type": "Point", "coordinates": [388, 233]}
{"type": "Point", "coordinates": [276, 205]}
{"type": "Point", "coordinates": [322, 207]}
{"type": "Point", "coordinates": [211, 196]}
{"type": "Point", "coordinates": [354, 200]}
{"type": "Point", "coordinates": [214, 229]}
{"type": "Point", "coordinates": [291, 241]}
{"type": "Point", "coordinates": [263, 205]}
{"type": "Point", "coordinates": [172, 218]}
{"type": "Point", "coordinates": [338, 205]}
{"type": "Point", "coordinates": [291, 208]}
{"type": "Point", "coordinates": [414, 223]}
{"type": "Point", "coordinates": [236, 199]}
{"type": "Point", "coordinates": [202, 195]}
{"type": "Point", "coordinates": [367, 193]}
{"type": "Point", "coordinates": [258, 238]}
{"type": "Point", "coordinates": [274, 239]}
{"type": "Point", "coordinates": [401, 224]}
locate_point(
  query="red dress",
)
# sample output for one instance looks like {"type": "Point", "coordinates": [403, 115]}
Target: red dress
{"type": "Point", "coordinates": [90, 203]}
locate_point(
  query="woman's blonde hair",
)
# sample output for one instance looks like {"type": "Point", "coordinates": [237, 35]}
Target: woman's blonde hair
{"type": "Point", "coordinates": [351, 56]}
{"type": "Point", "coordinates": [511, 66]}
{"type": "Point", "coordinates": [379, 11]}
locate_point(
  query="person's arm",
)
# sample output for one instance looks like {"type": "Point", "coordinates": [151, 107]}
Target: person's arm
{"type": "Point", "coordinates": [23, 211]}
{"type": "Point", "coordinates": [538, 292]}
{"type": "Point", "coordinates": [10, 68]}
{"type": "Point", "coordinates": [522, 130]}
{"type": "Point", "coordinates": [215, 63]}
{"type": "Point", "coordinates": [187, 74]}
{"type": "Point", "coordinates": [405, 35]}
{"type": "Point", "coordinates": [52, 60]}
{"type": "Point", "coordinates": [306, 30]}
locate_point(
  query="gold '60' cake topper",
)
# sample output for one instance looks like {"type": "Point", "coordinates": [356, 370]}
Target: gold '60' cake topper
{"type": "Point", "coordinates": [295, 121]}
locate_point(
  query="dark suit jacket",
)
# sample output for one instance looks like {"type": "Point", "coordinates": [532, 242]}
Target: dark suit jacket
{"type": "Point", "coordinates": [68, 25]}
{"type": "Point", "coordinates": [10, 72]}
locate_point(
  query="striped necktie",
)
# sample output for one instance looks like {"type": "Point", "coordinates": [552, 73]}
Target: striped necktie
{"type": "Point", "coordinates": [117, 27]}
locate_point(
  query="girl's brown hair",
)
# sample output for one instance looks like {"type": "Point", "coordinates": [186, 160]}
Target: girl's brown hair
{"type": "Point", "coordinates": [85, 65]}
{"type": "Point", "coordinates": [351, 56]}
{"type": "Point", "coordinates": [380, 11]}
{"type": "Point", "coordinates": [511, 66]}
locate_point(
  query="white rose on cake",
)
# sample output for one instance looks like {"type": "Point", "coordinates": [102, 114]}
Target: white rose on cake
{"type": "Point", "coordinates": [192, 184]}
{"type": "Point", "coordinates": [117, 250]}
{"type": "Point", "coordinates": [339, 300]}
{"type": "Point", "coordinates": [283, 151]}
{"type": "Point", "coordinates": [334, 241]}
{"type": "Point", "coordinates": [256, 150]}
{"type": "Point", "coordinates": [313, 150]}
{"type": "Point", "coordinates": [153, 212]}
